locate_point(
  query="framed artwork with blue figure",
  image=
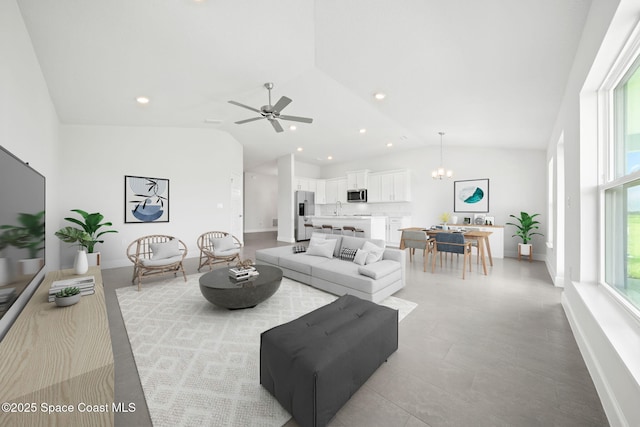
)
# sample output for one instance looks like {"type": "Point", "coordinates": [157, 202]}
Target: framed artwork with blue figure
{"type": "Point", "coordinates": [471, 195]}
{"type": "Point", "coordinates": [146, 199]}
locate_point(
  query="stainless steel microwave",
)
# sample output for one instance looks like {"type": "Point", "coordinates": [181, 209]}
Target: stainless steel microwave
{"type": "Point", "coordinates": [357, 196]}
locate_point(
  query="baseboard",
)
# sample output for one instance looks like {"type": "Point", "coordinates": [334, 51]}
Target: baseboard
{"type": "Point", "coordinates": [261, 230]}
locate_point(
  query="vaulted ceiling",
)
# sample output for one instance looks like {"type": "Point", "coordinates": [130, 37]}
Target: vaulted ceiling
{"type": "Point", "coordinates": [486, 72]}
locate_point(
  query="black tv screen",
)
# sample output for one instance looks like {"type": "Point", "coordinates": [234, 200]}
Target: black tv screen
{"type": "Point", "coordinates": [22, 235]}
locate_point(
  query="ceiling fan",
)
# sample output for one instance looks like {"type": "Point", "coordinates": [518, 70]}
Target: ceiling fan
{"type": "Point", "coordinates": [272, 112]}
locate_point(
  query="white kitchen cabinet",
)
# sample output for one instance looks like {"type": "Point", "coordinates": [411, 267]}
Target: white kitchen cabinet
{"type": "Point", "coordinates": [301, 184]}
{"type": "Point", "coordinates": [342, 190]}
{"type": "Point", "coordinates": [394, 224]}
{"type": "Point", "coordinates": [357, 180]}
{"type": "Point", "coordinates": [374, 191]}
{"type": "Point", "coordinates": [321, 192]}
{"type": "Point", "coordinates": [395, 186]}
{"type": "Point", "coordinates": [331, 189]}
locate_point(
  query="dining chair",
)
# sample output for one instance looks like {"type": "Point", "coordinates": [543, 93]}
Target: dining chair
{"type": "Point", "coordinates": [416, 239]}
{"type": "Point", "coordinates": [453, 243]}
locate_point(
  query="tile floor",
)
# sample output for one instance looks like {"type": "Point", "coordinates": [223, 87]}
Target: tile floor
{"type": "Point", "coordinates": [492, 350]}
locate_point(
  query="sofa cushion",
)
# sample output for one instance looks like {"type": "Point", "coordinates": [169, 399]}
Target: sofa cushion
{"type": "Point", "coordinates": [379, 269]}
{"type": "Point", "coordinates": [323, 248]}
{"type": "Point", "coordinates": [347, 275]}
{"type": "Point", "coordinates": [375, 252]}
{"type": "Point", "coordinates": [360, 257]}
{"type": "Point", "coordinates": [224, 243]}
{"type": "Point", "coordinates": [302, 263]}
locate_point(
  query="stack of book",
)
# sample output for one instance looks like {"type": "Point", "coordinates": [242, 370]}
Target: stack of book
{"type": "Point", "coordinates": [86, 285]}
{"type": "Point", "coordinates": [243, 273]}
{"type": "Point", "coordinates": [7, 295]}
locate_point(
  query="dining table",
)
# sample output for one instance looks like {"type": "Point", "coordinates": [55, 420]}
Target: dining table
{"type": "Point", "coordinates": [481, 237]}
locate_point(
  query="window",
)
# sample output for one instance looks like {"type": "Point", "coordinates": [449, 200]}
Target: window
{"type": "Point", "coordinates": [550, 203]}
{"type": "Point", "coordinates": [621, 190]}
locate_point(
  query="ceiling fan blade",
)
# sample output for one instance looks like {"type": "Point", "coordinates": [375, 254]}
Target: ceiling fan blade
{"type": "Point", "coordinates": [282, 102]}
{"type": "Point", "coordinates": [244, 106]}
{"type": "Point", "coordinates": [276, 125]}
{"type": "Point", "coordinates": [249, 120]}
{"type": "Point", "coordinates": [296, 119]}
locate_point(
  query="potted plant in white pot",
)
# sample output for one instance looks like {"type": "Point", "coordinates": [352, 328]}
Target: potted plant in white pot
{"type": "Point", "coordinates": [67, 296]}
{"type": "Point", "coordinates": [29, 235]}
{"type": "Point", "coordinates": [88, 235]}
{"type": "Point", "coordinates": [525, 230]}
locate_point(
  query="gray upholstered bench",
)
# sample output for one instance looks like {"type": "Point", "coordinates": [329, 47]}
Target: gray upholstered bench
{"type": "Point", "coordinates": [314, 364]}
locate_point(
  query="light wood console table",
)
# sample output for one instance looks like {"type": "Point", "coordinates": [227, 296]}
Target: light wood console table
{"type": "Point", "coordinates": [55, 360]}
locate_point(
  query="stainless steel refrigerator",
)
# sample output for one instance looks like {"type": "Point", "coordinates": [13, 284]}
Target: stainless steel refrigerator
{"type": "Point", "coordinates": [304, 209]}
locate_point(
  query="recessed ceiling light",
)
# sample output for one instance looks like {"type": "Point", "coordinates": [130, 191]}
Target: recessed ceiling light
{"type": "Point", "coordinates": [329, 157]}
{"type": "Point", "coordinates": [299, 148]}
{"type": "Point", "coordinates": [142, 100]}
{"type": "Point", "coordinates": [292, 127]}
{"type": "Point", "coordinates": [389, 144]}
{"type": "Point", "coordinates": [363, 130]}
{"type": "Point", "coordinates": [379, 96]}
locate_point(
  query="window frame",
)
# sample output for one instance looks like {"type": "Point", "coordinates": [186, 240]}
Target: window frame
{"type": "Point", "coordinates": [607, 128]}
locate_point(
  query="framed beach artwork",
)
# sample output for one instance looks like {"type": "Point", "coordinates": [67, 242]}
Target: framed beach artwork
{"type": "Point", "coordinates": [146, 199]}
{"type": "Point", "coordinates": [471, 195]}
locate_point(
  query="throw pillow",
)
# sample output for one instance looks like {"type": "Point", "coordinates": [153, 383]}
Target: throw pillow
{"type": "Point", "coordinates": [361, 257]}
{"type": "Point", "coordinates": [317, 238]}
{"type": "Point", "coordinates": [165, 250]}
{"type": "Point", "coordinates": [324, 249]}
{"type": "Point", "coordinates": [375, 252]}
{"type": "Point", "coordinates": [223, 243]}
{"type": "Point", "coordinates": [299, 249]}
{"type": "Point", "coordinates": [347, 254]}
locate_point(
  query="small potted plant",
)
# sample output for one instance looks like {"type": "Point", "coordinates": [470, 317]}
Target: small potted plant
{"type": "Point", "coordinates": [525, 230]}
{"type": "Point", "coordinates": [444, 218]}
{"type": "Point", "coordinates": [67, 296]}
{"type": "Point", "coordinates": [88, 235]}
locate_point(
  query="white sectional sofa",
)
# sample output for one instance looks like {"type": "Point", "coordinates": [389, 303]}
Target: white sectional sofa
{"type": "Point", "coordinates": [372, 282]}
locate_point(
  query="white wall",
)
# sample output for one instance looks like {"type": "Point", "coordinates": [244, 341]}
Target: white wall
{"type": "Point", "coordinates": [516, 183]}
{"type": "Point", "coordinates": [606, 332]}
{"type": "Point", "coordinates": [199, 164]}
{"type": "Point", "coordinates": [28, 121]}
{"type": "Point", "coordinates": [260, 202]}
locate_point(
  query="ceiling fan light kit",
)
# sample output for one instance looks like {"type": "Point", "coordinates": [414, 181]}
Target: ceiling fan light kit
{"type": "Point", "coordinates": [271, 112]}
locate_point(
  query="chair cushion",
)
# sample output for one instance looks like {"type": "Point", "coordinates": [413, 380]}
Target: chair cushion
{"type": "Point", "coordinates": [443, 238]}
{"type": "Point", "coordinates": [165, 250]}
{"type": "Point", "coordinates": [324, 249]}
{"type": "Point", "coordinates": [223, 243]}
{"type": "Point", "coordinates": [228, 252]}
{"type": "Point", "coordinates": [160, 262]}
{"type": "Point", "coordinates": [379, 269]}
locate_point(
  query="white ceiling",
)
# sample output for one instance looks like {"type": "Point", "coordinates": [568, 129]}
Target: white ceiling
{"type": "Point", "coordinates": [486, 72]}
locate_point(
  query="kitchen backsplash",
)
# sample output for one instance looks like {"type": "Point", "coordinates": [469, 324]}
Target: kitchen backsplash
{"type": "Point", "coordinates": [382, 209]}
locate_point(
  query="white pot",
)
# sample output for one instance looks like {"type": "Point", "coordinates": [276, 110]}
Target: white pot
{"type": "Point", "coordinates": [454, 219]}
{"type": "Point", "coordinates": [81, 263]}
{"type": "Point", "coordinates": [525, 248]}
{"type": "Point", "coordinates": [67, 301]}
{"type": "Point", "coordinates": [5, 273]}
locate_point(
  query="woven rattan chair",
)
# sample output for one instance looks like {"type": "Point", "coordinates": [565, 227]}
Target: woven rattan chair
{"type": "Point", "coordinates": [156, 255]}
{"type": "Point", "coordinates": [209, 255]}
{"type": "Point", "coordinates": [453, 243]}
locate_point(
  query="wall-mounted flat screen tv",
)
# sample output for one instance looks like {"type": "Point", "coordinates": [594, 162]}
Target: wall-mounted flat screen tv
{"type": "Point", "coordinates": [22, 235]}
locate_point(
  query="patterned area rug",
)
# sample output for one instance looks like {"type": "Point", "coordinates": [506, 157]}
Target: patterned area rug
{"type": "Point", "coordinates": [199, 364]}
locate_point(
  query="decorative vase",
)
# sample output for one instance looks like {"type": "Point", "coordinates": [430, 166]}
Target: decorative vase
{"type": "Point", "coordinates": [454, 219]}
{"type": "Point", "coordinates": [67, 301]}
{"type": "Point", "coordinates": [30, 266]}
{"type": "Point", "coordinates": [445, 226]}
{"type": "Point", "coordinates": [525, 248]}
{"type": "Point", "coordinates": [5, 273]}
{"type": "Point", "coordinates": [81, 263]}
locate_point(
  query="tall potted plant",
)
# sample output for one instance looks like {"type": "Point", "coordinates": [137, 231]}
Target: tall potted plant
{"type": "Point", "coordinates": [526, 227]}
{"type": "Point", "coordinates": [88, 235]}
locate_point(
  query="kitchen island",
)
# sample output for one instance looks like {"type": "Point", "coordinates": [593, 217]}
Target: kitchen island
{"type": "Point", "coordinates": [374, 227]}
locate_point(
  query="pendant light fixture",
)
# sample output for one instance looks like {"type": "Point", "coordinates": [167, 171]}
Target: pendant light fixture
{"type": "Point", "coordinates": [440, 172]}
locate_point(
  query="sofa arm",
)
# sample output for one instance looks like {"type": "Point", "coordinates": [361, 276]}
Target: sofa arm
{"type": "Point", "coordinates": [394, 255]}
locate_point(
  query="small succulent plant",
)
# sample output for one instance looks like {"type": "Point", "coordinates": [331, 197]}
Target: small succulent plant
{"type": "Point", "coordinates": [68, 292]}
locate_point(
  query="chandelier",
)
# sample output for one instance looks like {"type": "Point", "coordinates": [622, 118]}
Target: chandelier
{"type": "Point", "coordinates": [440, 172]}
